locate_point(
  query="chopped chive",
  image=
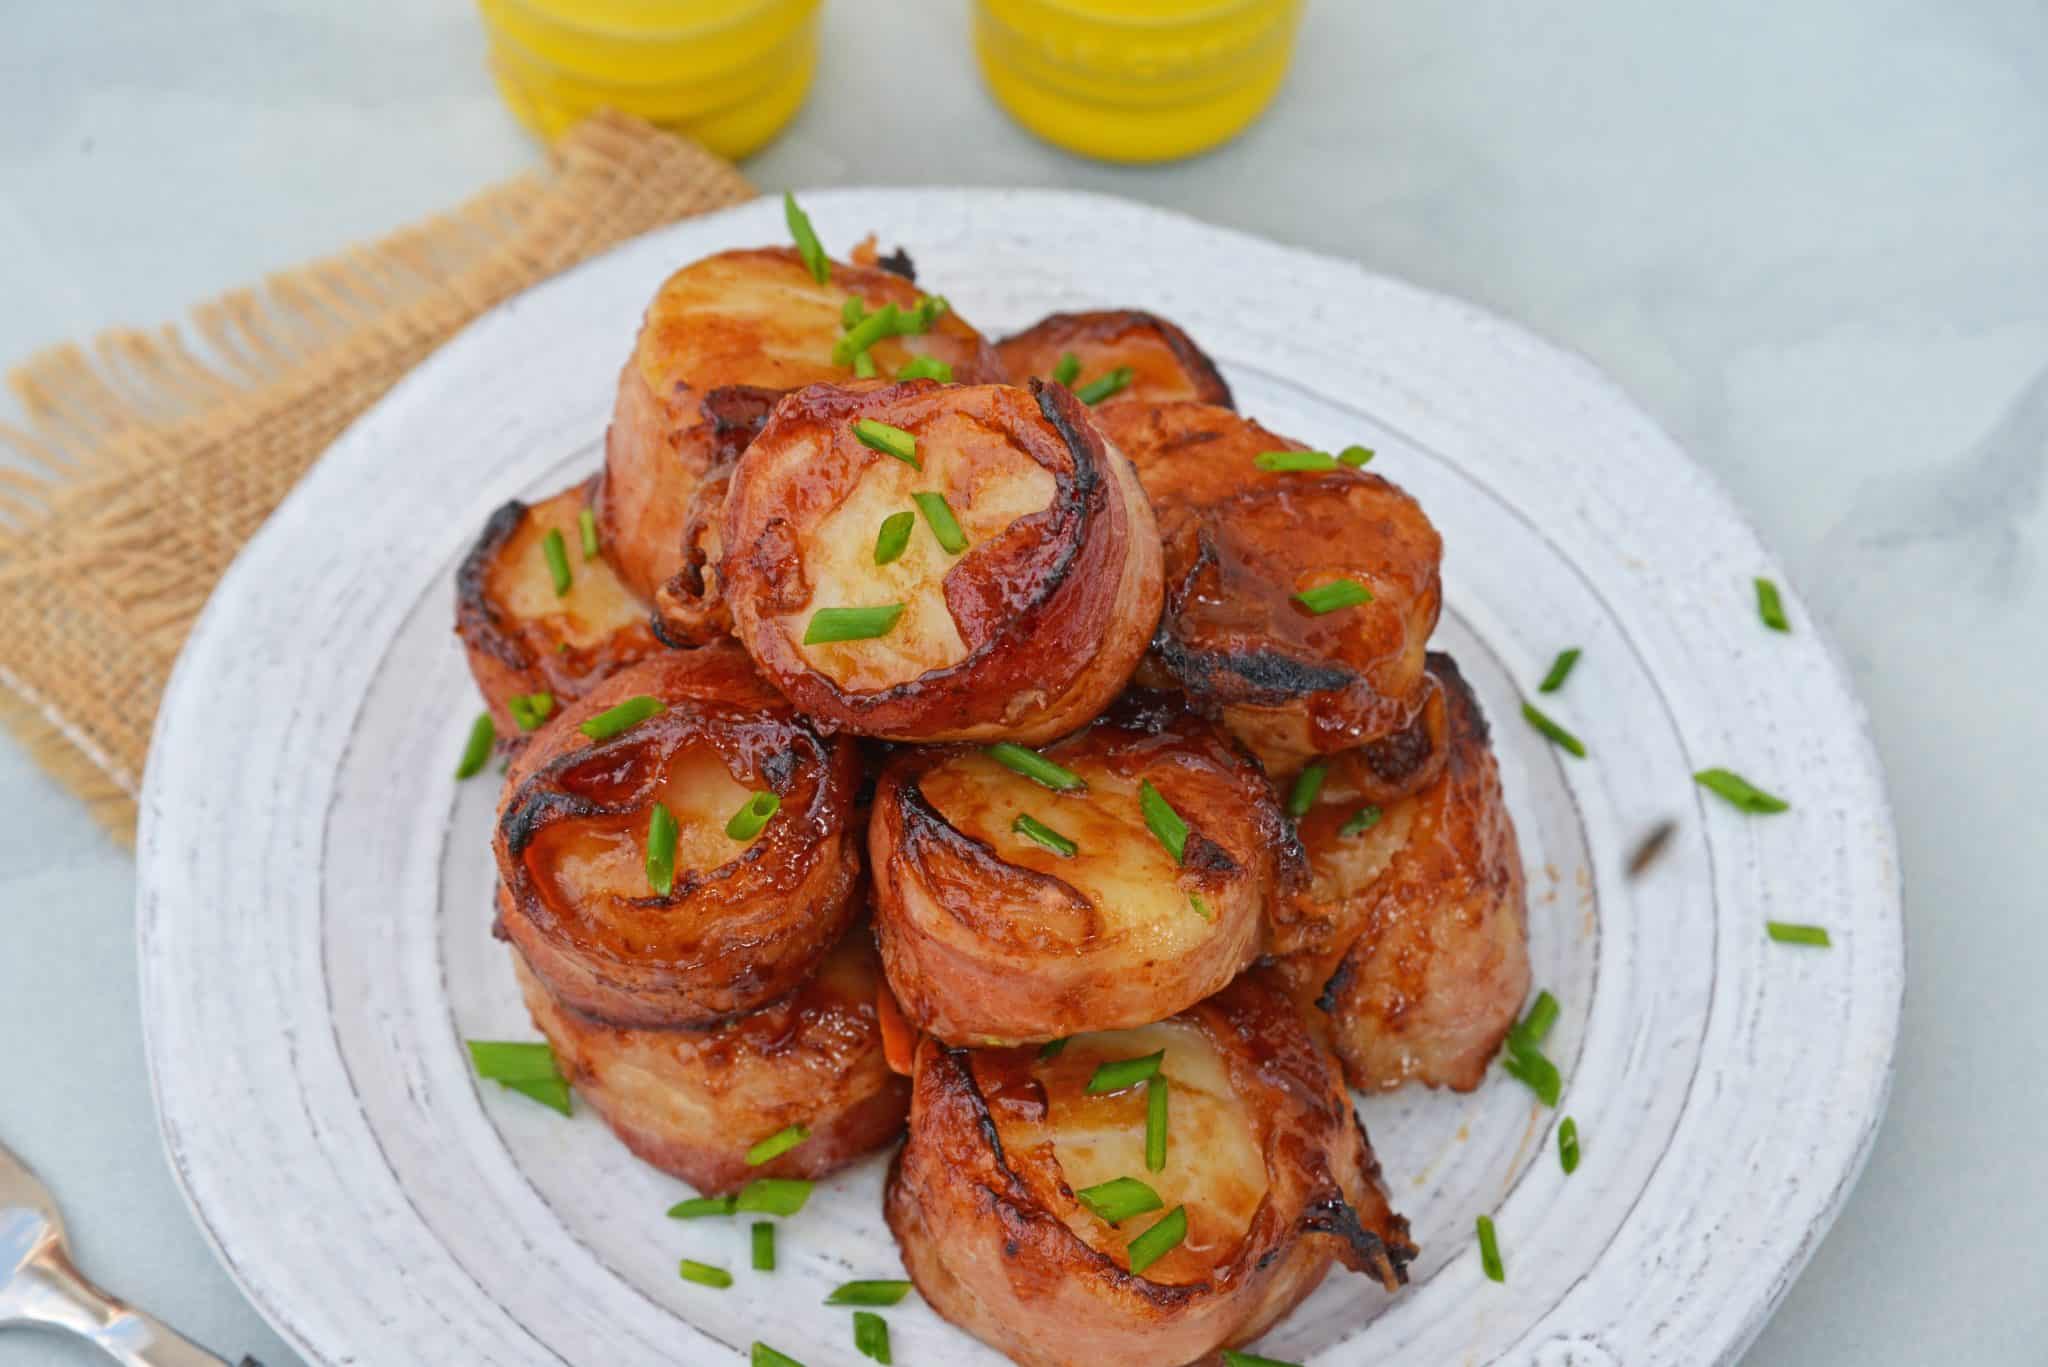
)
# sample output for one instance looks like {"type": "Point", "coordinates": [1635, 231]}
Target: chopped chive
{"type": "Point", "coordinates": [697, 1207]}
{"type": "Point", "coordinates": [869, 1293]}
{"type": "Point", "coordinates": [529, 1069]}
{"type": "Point", "coordinates": [1787, 933]}
{"type": "Point", "coordinates": [1035, 767]}
{"type": "Point", "coordinates": [894, 536]}
{"type": "Point", "coordinates": [1233, 1358]}
{"type": "Point", "coordinates": [1534, 1028]}
{"type": "Point", "coordinates": [625, 716]}
{"type": "Point", "coordinates": [529, 710]}
{"type": "Point", "coordinates": [1103, 386]}
{"type": "Point", "coordinates": [1033, 829]}
{"type": "Point", "coordinates": [556, 552]}
{"type": "Point", "coordinates": [586, 527]}
{"type": "Point", "coordinates": [864, 366]}
{"type": "Point", "coordinates": [1528, 1066]}
{"type": "Point", "coordinates": [704, 1274]}
{"type": "Point", "coordinates": [476, 751]}
{"type": "Point", "coordinates": [763, 1235]}
{"type": "Point", "coordinates": [1306, 789]}
{"type": "Point", "coordinates": [1568, 1145]}
{"type": "Point", "coordinates": [890, 441]}
{"type": "Point", "coordinates": [1295, 460]}
{"type": "Point", "coordinates": [761, 1355]}
{"type": "Point", "coordinates": [1338, 593]}
{"type": "Point", "coordinates": [1155, 1124]}
{"type": "Point", "coordinates": [1489, 1251]}
{"type": "Point", "coordinates": [1560, 670]}
{"type": "Point", "coordinates": [851, 624]}
{"type": "Point", "coordinates": [930, 308]}
{"type": "Point", "coordinates": [807, 244]}
{"type": "Point", "coordinates": [661, 850]}
{"type": "Point", "coordinates": [773, 1196]}
{"type": "Point", "coordinates": [944, 525]}
{"type": "Point", "coordinates": [1068, 370]}
{"type": "Point", "coordinates": [871, 1336]}
{"type": "Point", "coordinates": [1770, 607]}
{"type": "Point", "coordinates": [925, 368]}
{"type": "Point", "coordinates": [1201, 906]}
{"type": "Point", "coordinates": [886, 321]}
{"type": "Point", "coordinates": [1556, 734]}
{"type": "Point", "coordinates": [1164, 821]}
{"type": "Point", "coordinates": [1118, 1199]}
{"type": "Point", "coordinates": [852, 311]}
{"type": "Point", "coordinates": [1120, 1073]}
{"type": "Point", "coordinates": [1355, 456]}
{"type": "Point", "coordinates": [551, 1093]}
{"type": "Point", "coordinates": [1740, 791]}
{"type": "Point", "coordinates": [1367, 818]}
{"type": "Point", "coordinates": [753, 814]}
{"type": "Point", "coordinates": [1051, 1049]}
{"type": "Point", "coordinates": [1158, 1241]}
{"type": "Point", "coordinates": [777, 1144]}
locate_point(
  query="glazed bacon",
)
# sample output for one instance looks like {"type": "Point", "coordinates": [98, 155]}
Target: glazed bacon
{"type": "Point", "coordinates": [1410, 943]}
{"type": "Point", "coordinates": [1264, 1154]}
{"type": "Point", "coordinates": [692, 1102]}
{"type": "Point", "coordinates": [747, 921]}
{"type": "Point", "coordinates": [990, 937]}
{"type": "Point", "coordinates": [750, 320]}
{"type": "Point", "coordinates": [1025, 634]}
{"type": "Point", "coordinates": [1165, 363]}
{"type": "Point", "coordinates": [1240, 543]}
{"type": "Point", "coordinates": [521, 636]}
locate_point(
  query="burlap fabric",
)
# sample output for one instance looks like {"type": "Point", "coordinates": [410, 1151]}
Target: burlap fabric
{"type": "Point", "coordinates": [150, 457]}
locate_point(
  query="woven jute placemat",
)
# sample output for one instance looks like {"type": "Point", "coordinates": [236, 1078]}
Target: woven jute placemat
{"type": "Point", "coordinates": [149, 457]}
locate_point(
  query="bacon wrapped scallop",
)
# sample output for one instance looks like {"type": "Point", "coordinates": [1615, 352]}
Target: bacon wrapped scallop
{"type": "Point", "coordinates": [1115, 356]}
{"type": "Point", "coordinates": [1147, 1195]}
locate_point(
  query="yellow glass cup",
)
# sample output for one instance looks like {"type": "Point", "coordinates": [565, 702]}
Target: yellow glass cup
{"type": "Point", "coordinates": [1135, 80]}
{"type": "Point", "coordinates": [728, 73]}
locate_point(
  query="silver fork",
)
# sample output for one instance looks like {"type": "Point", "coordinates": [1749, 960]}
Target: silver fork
{"type": "Point", "coordinates": [39, 1286]}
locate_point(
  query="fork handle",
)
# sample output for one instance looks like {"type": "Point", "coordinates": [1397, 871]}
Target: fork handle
{"type": "Point", "coordinates": [51, 1292]}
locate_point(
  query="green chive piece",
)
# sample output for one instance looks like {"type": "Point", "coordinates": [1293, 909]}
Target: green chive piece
{"type": "Point", "coordinates": [697, 1207]}
{"type": "Point", "coordinates": [1557, 735]}
{"type": "Point", "coordinates": [864, 366]}
{"type": "Point", "coordinates": [1306, 789]}
{"type": "Point", "coordinates": [890, 441]}
{"type": "Point", "coordinates": [894, 536]}
{"type": "Point", "coordinates": [869, 1293]}
{"type": "Point", "coordinates": [1295, 460]}
{"type": "Point", "coordinates": [1118, 1199]}
{"type": "Point", "coordinates": [1489, 1251]}
{"type": "Point", "coordinates": [1103, 386]}
{"type": "Point", "coordinates": [1033, 829]}
{"type": "Point", "coordinates": [704, 1274]}
{"type": "Point", "coordinates": [1051, 1050]}
{"type": "Point", "coordinates": [1367, 818]}
{"type": "Point", "coordinates": [944, 525]}
{"type": "Point", "coordinates": [807, 244]}
{"type": "Point", "coordinates": [753, 814]}
{"type": "Point", "coordinates": [1155, 1124]}
{"type": "Point", "coordinates": [1355, 456]}
{"type": "Point", "coordinates": [871, 1336]}
{"type": "Point", "coordinates": [1568, 1145]}
{"type": "Point", "coordinates": [1787, 933]}
{"type": "Point", "coordinates": [886, 321]}
{"type": "Point", "coordinates": [1233, 1358]}
{"type": "Point", "coordinates": [851, 624]}
{"type": "Point", "coordinates": [1534, 1071]}
{"type": "Point", "coordinates": [773, 1196]}
{"type": "Point", "coordinates": [586, 528]}
{"type": "Point", "coordinates": [1201, 906]}
{"type": "Point", "coordinates": [1338, 593]}
{"type": "Point", "coordinates": [1740, 791]}
{"type": "Point", "coordinates": [476, 751]}
{"type": "Point", "coordinates": [1158, 1241]}
{"type": "Point", "coordinates": [1035, 767]}
{"type": "Point", "coordinates": [761, 1355]}
{"type": "Point", "coordinates": [1120, 1073]}
{"type": "Point", "coordinates": [1534, 1028]}
{"type": "Point", "coordinates": [661, 850]}
{"type": "Point", "coordinates": [1164, 821]}
{"type": "Point", "coordinates": [926, 368]}
{"type": "Point", "coordinates": [513, 1061]}
{"type": "Point", "coordinates": [930, 308]}
{"type": "Point", "coordinates": [763, 1235]}
{"type": "Point", "coordinates": [1770, 607]}
{"type": "Point", "coordinates": [1068, 370]}
{"type": "Point", "coordinates": [777, 1144]}
{"type": "Point", "coordinates": [852, 311]}
{"type": "Point", "coordinates": [551, 1093]}
{"type": "Point", "coordinates": [624, 717]}
{"type": "Point", "coordinates": [1560, 670]}
{"type": "Point", "coordinates": [556, 552]}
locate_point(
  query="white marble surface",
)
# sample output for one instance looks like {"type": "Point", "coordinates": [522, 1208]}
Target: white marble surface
{"type": "Point", "coordinates": [1811, 238]}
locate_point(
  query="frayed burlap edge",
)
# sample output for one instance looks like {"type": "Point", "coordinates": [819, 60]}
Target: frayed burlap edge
{"type": "Point", "coordinates": [148, 458]}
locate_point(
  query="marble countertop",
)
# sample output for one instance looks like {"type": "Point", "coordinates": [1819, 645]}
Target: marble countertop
{"type": "Point", "coordinates": [1812, 239]}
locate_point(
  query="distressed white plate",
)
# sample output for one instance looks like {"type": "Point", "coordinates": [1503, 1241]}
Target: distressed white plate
{"type": "Point", "coordinates": [315, 886]}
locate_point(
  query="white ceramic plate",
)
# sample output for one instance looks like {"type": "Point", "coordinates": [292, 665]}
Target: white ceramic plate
{"type": "Point", "coordinates": [315, 886]}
